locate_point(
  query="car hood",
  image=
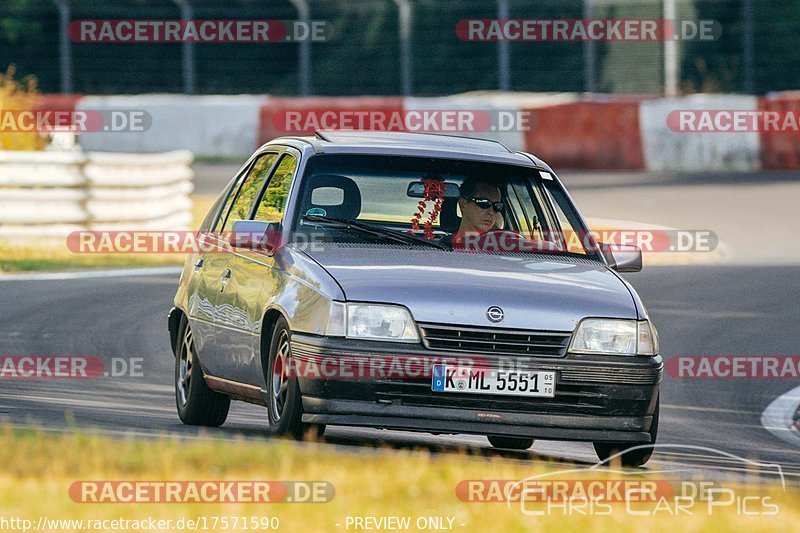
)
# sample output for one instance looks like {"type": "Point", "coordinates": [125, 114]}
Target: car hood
{"type": "Point", "coordinates": [534, 291]}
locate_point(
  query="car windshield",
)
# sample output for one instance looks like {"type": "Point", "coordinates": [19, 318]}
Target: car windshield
{"type": "Point", "coordinates": [524, 208]}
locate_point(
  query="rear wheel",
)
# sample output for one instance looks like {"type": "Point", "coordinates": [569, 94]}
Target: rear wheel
{"type": "Point", "coordinates": [197, 404]}
{"type": "Point", "coordinates": [632, 458]}
{"type": "Point", "coordinates": [512, 443]}
{"type": "Point", "coordinates": [284, 403]}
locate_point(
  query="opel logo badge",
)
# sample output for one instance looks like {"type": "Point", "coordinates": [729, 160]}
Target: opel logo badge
{"type": "Point", "coordinates": [495, 314]}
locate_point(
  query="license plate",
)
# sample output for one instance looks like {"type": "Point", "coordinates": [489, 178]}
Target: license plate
{"type": "Point", "coordinates": [489, 381]}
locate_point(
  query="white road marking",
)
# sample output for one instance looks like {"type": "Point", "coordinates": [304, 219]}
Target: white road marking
{"type": "Point", "coordinates": [777, 417]}
{"type": "Point", "coordinates": [91, 274]}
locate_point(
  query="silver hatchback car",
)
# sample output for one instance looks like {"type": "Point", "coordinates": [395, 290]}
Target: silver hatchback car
{"type": "Point", "coordinates": [414, 282]}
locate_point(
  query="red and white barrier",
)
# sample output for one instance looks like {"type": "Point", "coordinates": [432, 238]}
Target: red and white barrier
{"type": "Point", "coordinates": [303, 116]}
{"type": "Point", "coordinates": [600, 133]}
{"type": "Point", "coordinates": [567, 130]}
{"type": "Point", "coordinates": [780, 150]}
{"type": "Point", "coordinates": [498, 116]}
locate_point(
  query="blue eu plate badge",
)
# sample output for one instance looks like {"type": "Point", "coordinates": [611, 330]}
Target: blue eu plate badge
{"type": "Point", "coordinates": [437, 383]}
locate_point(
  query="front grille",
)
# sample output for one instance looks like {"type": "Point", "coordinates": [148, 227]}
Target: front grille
{"type": "Point", "coordinates": [494, 340]}
{"type": "Point", "coordinates": [615, 374]}
{"type": "Point", "coordinates": [568, 396]}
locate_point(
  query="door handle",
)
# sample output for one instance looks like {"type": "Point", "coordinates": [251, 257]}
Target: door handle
{"type": "Point", "coordinates": [225, 279]}
{"type": "Point", "coordinates": [198, 265]}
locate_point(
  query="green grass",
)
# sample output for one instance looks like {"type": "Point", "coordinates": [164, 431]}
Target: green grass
{"type": "Point", "coordinates": [39, 468]}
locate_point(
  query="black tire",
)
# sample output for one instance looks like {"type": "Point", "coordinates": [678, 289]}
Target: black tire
{"type": "Point", "coordinates": [511, 443]}
{"type": "Point", "coordinates": [284, 403]}
{"type": "Point", "coordinates": [633, 458]}
{"type": "Point", "coordinates": [197, 404]}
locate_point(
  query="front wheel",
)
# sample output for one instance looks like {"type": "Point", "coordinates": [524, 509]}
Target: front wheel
{"type": "Point", "coordinates": [632, 458]}
{"type": "Point", "coordinates": [284, 403]}
{"type": "Point", "coordinates": [197, 404]}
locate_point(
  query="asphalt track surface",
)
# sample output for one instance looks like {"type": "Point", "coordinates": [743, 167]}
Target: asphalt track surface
{"type": "Point", "coordinates": [741, 308]}
{"type": "Point", "coordinates": [699, 310]}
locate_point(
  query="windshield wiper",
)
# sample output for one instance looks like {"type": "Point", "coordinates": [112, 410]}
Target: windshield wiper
{"type": "Point", "coordinates": [374, 230]}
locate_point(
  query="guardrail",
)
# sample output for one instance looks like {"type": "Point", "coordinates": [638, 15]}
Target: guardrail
{"type": "Point", "coordinates": [55, 193]}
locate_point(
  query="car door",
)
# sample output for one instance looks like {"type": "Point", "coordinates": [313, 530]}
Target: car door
{"type": "Point", "coordinates": [205, 274]}
{"type": "Point", "coordinates": [256, 276]}
{"type": "Point", "coordinates": [233, 327]}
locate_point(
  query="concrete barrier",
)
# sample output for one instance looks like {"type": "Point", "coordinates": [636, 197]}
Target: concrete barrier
{"type": "Point", "coordinates": [666, 149]}
{"type": "Point", "coordinates": [54, 193]}
{"type": "Point", "coordinates": [47, 169]}
{"type": "Point", "coordinates": [208, 126]}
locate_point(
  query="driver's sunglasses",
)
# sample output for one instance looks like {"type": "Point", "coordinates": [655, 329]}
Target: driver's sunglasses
{"type": "Point", "coordinates": [485, 203]}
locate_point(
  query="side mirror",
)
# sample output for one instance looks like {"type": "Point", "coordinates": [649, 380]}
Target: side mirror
{"type": "Point", "coordinates": [622, 257]}
{"type": "Point", "coordinates": [256, 236]}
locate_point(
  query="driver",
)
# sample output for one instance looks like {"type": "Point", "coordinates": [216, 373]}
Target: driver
{"type": "Point", "coordinates": [480, 204]}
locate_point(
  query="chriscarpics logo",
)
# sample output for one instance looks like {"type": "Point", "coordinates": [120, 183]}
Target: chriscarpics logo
{"type": "Point", "coordinates": [746, 488]}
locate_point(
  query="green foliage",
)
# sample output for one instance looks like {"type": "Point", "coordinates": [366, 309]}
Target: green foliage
{"type": "Point", "coordinates": [18, 96]}
{"type": "Point", "coordinates": [274, 201]}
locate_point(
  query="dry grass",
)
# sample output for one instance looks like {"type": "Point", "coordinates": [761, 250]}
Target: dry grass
{"type": "Point", "coordinates": [38, 469]}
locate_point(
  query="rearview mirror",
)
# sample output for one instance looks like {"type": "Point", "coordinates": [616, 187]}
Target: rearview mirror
{"type": "Point", "coordinates": [256, 235]}
{"type": "Point", "coordinates": [416, 189]}
{"type": "Point", "coordinates": [622, 257]}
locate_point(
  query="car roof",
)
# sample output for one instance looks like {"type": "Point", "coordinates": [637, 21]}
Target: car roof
{"type": "Point", "coordinates": [411, 144]}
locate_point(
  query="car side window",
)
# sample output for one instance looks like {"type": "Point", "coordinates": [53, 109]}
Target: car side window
{"type": "Point", "coordinates": [273, 203]}
{"type": "Point", "coordinates": [211, 217]}
{"type": "Point", "coordinates": [571, 237]}
{"type": "Point", "coordinates": [226, 207]}
{"type": "Point", "coordinates": [248, 191]}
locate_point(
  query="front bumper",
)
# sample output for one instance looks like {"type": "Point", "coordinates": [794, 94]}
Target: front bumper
{"type": "Point", "coordinates": [597, 398]}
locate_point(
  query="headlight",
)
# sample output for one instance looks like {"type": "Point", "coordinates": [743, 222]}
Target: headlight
{"type": "Point", "coordinates": [615, 337]}
{"type": "Point", "coordinates": [379, 322]}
